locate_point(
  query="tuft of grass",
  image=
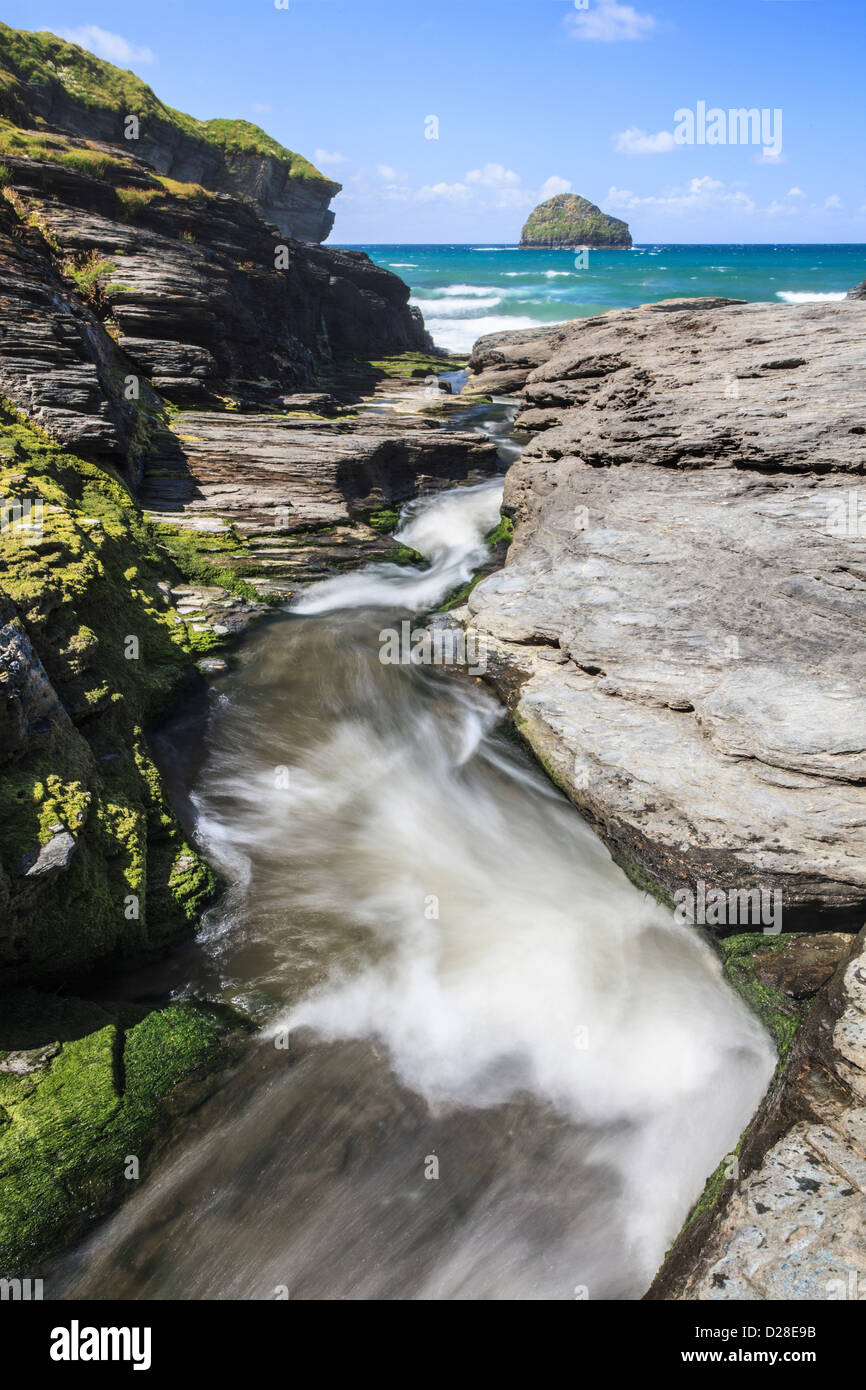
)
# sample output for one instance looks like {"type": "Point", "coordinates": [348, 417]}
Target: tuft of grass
{"type": "Point", "coordinates": [134, 201]}
{"type": "Point", "coordinates": [86, 270]}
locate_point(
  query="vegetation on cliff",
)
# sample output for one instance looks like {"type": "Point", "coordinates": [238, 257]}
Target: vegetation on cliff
{"type": "Point", "coordinates": [567, 222]}
{"type": "Point", "coordinates": [44, 78]}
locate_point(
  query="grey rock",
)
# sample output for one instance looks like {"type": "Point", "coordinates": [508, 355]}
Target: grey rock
{"type": "Point", "coordinates": [691, 553]}
{"type": "Point", "coordinates": [53, 856]}
{"type": "Point", "coordinates": [22, 1063]}
{"type": "Point", "coordinates": [29, 704]}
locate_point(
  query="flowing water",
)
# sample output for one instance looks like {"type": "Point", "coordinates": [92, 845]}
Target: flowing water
{"type": "Point", "coordinates": [487, 1067]}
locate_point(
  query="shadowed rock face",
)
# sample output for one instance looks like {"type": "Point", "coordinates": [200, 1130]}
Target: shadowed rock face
{"type": "Point", "coordinates": [192, 295]}
{"type": "Point", "coordinates": [790, 1223]}
{"type": "Point", "coordinates": [688, 552]}
{"type": "Point", "coordinates": [567, 222]}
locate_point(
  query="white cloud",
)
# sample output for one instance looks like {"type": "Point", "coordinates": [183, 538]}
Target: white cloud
{"type": "Point", "coordinates": [769, 156]}
{"type": "Point", "coordinates": [261, 106]}
{"type": "Point", "coordinates": [834, 201]}
{"type": "Point", "coordinates": [450, 192]}
{"type": "Point", "coordinates": [391, 175]}
{"type": "Point", "coordinates": [493, 176]}
{"type": "Point", "coordinates": [637, 141]}
{"type": "Point", "coordinates": [494, 186]}
{"type": "Point", "coordinates": [795, 193]}
{"type": "Point", "coordinates": [607, 21]}
{"type": "Point", "coordinates": [698, 195]}
{"type": "Point", "coordinates": [552, 186]}
{"type": "Point", "coordinates": [105, 44]}
{"type": "Point", "coordinates": [499, 187]}
{"type": "Point", "coordinates": [329, 157]}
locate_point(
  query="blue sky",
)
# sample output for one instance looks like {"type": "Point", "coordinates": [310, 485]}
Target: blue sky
{"type": "Point", "coordinates": [531, 97]}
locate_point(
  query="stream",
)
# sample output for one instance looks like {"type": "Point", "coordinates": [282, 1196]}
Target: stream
{"type": "Point", "coordinates": [487, 1066]}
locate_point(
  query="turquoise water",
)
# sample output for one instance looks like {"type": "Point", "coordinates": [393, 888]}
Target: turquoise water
{"type": "Point", "coordinates": [466, 291]}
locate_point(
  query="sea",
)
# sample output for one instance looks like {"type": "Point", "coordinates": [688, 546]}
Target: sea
{"type": "Point", "coordinates": [467, 291]}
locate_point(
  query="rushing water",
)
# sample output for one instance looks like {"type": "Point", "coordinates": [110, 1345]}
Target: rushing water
{"type": "Point", "coordinates": [508, 1071]}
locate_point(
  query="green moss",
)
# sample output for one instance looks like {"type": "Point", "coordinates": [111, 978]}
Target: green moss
{"type": "Point", "coordinates": [504, 531]}
{"type": "Point", "coordinates": [80, 592]}
{"type": "Point", "coordinates": [405, 555]}
{"type": "Point", "coordinates": [780, 1015]}
{"type": "Point", "coordinates": [642, 878]}
{"type": "Point", "coordinates": [407, 364]}
{"type": "Point", "coordinates": [386, 520]}
{"type": "Point", "coordinates": [117, 1075]}
{"type": "Point", "coordinates": [201, 556]}
{"type": "Point", "coordinates": [459, 596]}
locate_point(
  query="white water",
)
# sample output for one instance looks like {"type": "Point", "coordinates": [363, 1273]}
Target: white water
{"type": "Point", "coordinates": [482, 984]}
{"type": "Point", "coordinates": [545, 972]}
{"type": "Point", "coordinates": [449, 532]}
{"type": "Point", "coordinates": [810, 297]}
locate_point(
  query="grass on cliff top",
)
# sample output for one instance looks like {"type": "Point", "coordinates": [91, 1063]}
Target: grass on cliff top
{"type": "Point", "coordinates": [44, 60]}
{"type": "Point", "coordinates": [115, 1077]}
{"type": "Point", "coordinates": [87, 158]}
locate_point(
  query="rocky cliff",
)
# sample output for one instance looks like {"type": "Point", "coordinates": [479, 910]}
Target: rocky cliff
{"type": "Point", "coordinates": [678, 630]}
{"type": "Point", "coordinates": [567, 222]}
{"type": "Point", "coordinates": [129, 295]}
{"type": "Point", "coordinates": [48, 83]}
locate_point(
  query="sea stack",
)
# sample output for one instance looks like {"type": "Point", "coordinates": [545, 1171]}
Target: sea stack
{"type": "Point", "coordinates": [567, 222]}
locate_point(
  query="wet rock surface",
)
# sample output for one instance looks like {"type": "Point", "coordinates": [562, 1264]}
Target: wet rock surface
{"type": "Point", "coordinates": [804, 965]}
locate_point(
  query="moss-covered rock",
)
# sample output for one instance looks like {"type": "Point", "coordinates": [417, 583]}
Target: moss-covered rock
{"type": "Point", "coordinates": [780, 1014]}
{"type": "Point", "coordinates": [568, 221]}
{"type": "Point", "coordinates": [85, 1088]}
{"type": "Point", "coordinates": [91, 650]}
